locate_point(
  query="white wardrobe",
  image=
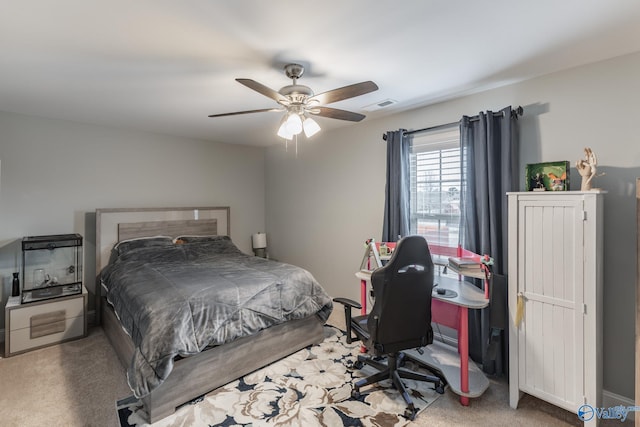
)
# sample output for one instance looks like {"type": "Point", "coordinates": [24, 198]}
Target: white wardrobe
{"type": "Point", "coordinates": [555, 288]}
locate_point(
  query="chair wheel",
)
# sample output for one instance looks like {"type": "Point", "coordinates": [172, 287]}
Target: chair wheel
{"type": "Point", "coordinates": [440, 388]}
{"type": "Point", "coordinates": [355, 394]}
{"type": "Point", "coordinates": [410, 413]}
{"type": "Point", "coordinates": [358, 364]}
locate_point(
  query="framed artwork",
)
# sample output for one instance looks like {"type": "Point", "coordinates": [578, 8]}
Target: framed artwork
{"type": "Point", "coordinates": [549, 176]}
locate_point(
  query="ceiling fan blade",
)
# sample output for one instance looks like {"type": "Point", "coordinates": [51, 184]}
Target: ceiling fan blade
{"type": "Point", "coordinates": [334, 113]}
{"type": "Point", "coordinates": [246, 112]}
{"type": "Point", "coordinates": [346, 92]}
{"type": "Point", "coordinates": [266, 91]}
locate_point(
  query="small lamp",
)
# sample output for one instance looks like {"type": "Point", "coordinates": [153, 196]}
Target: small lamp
{"type": "Point", "coordinates": [259, 244]}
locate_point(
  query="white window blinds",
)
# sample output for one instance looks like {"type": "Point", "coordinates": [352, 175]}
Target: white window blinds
{"type": "Point", "coordinates": [436, 185]}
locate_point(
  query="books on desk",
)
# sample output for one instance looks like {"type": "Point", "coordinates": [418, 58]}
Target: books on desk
{"type": "Point", "coordinates": [467, 266]}
{"type": "Point", "coordinates": [465, 263]}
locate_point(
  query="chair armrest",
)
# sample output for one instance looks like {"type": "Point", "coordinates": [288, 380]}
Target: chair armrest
{"type": "Point", "coordinates": [347, 302]}
{"type": "Point", "coordinates": [348, 305]}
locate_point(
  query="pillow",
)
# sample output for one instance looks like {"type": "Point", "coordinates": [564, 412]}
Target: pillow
{"type": "Point", "coordinates": [193, 239]}
{"type": "Point", "coordinates": [212, 244]}
{"type": "Point", "coordinates": [125, 246]}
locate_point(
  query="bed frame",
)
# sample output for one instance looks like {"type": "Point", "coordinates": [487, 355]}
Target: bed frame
{"type": "Point", "coordinates": [199, 374]}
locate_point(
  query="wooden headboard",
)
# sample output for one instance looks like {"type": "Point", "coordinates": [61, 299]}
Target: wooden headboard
{"type": "Point", "coordinates": [114, 225]}
{"type": "Point", "coordinates": [185, 227]}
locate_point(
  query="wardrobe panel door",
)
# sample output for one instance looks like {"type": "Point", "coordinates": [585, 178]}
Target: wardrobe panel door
{"type": "Point", "coordinates": [550, 277]}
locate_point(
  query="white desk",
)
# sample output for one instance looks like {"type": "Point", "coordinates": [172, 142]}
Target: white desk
{"type": "Point", "coordinates": [464, 379]}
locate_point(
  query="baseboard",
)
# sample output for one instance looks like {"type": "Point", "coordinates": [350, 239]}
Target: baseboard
{"type": "Point", "coordinates": [610, 400]}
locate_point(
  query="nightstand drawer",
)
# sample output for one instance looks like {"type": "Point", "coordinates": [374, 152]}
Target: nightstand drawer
{"type": "Point", "coordinates": [45, 334]}
{"type": "Point", "coordinates": [28, 316]}
{"type": "Point", "coordinates": [43, 323]}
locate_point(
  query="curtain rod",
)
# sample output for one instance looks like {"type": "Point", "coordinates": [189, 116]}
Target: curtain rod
{"type": "Point", "coordinates": [517, 111]}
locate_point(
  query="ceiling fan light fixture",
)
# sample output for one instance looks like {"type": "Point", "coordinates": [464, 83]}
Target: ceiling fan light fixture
{"type": "Point", "coordinates": [283, 132]}
{"type": "Point", "coordinates": [294, 124]}
{"type": "Point", "coordinates": [310, 126]}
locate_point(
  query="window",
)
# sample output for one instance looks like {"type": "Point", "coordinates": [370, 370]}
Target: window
{"type": "Point", "coordinates": [436, 183]}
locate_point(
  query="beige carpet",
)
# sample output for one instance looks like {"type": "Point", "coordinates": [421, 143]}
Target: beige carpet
{"type": "Point", "coordinates": [72, 384]}
{"type": "Point", "coordinates": [77, 384]}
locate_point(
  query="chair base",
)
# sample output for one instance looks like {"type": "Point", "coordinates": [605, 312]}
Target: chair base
{"type": "Point", "coordinates": [392, 370]}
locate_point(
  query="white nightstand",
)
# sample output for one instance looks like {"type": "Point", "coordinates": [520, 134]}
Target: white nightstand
{"type": "Point", "coordinates": [43, 323]}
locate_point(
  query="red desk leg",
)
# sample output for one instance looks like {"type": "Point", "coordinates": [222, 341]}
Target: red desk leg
{"type": "Point", "coordinates": [363, 297]}
{"type": "Point", "coordinates": [463, 341]}
{"type": "Point", "coordinates": [363, 304]}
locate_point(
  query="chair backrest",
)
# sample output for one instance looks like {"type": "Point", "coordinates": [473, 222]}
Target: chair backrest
{"type": "Point", "coordinates": [401, 315]}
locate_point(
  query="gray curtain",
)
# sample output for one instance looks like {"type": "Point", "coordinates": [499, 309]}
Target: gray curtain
{"type": "Point", "coordinates": [490, 167]}
{"type": "Point", "coordinates": [397, 191]}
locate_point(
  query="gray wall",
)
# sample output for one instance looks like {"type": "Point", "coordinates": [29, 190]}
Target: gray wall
{"type": "Point", "coordinates": [324, 203]}
{"type": "Point", "coordinates": [54, 174]}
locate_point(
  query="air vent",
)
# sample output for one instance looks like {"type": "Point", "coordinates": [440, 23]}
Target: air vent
{"type": "Point", "coordinates": [380, 105]}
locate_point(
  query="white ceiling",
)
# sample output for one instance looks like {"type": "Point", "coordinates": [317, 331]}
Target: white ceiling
{"type": "Point", "coordinates": [163, 66]}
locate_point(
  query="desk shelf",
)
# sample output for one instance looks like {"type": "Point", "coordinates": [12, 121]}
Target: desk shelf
{"type": "Point", "coordinates": [476, 274]}
{"type": "Point", "coordinates": [445, 359]}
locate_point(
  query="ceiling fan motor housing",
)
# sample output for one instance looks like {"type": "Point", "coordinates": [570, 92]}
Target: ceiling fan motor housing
{"type": "Point", "coordinates": [297, 93]}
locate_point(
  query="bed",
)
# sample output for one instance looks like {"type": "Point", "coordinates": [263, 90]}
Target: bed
{"type": "Point", "coordinates": [233, 313]}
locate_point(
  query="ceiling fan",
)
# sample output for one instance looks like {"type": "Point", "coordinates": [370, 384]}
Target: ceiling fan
{"type": "Point", "coordinates": [298, 102]}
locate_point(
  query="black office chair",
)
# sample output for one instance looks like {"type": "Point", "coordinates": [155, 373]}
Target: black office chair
{"type": "Point", "coordinates": [399, 320]}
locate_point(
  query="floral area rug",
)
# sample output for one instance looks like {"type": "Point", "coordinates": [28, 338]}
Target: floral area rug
{"type": "Point", "coordinates": [309, 388]}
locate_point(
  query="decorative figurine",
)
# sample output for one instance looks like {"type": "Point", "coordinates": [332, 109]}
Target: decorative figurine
{"type": "Point", "coordinates": [558, 183]}
{"type": "Point", "coordinates": [587, 168]}
{"type": "Point", "coordinates": [538, 183]}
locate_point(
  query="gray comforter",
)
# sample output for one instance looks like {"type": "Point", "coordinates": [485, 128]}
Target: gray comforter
{"type": "Point", "coordinates": [176, 299]}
